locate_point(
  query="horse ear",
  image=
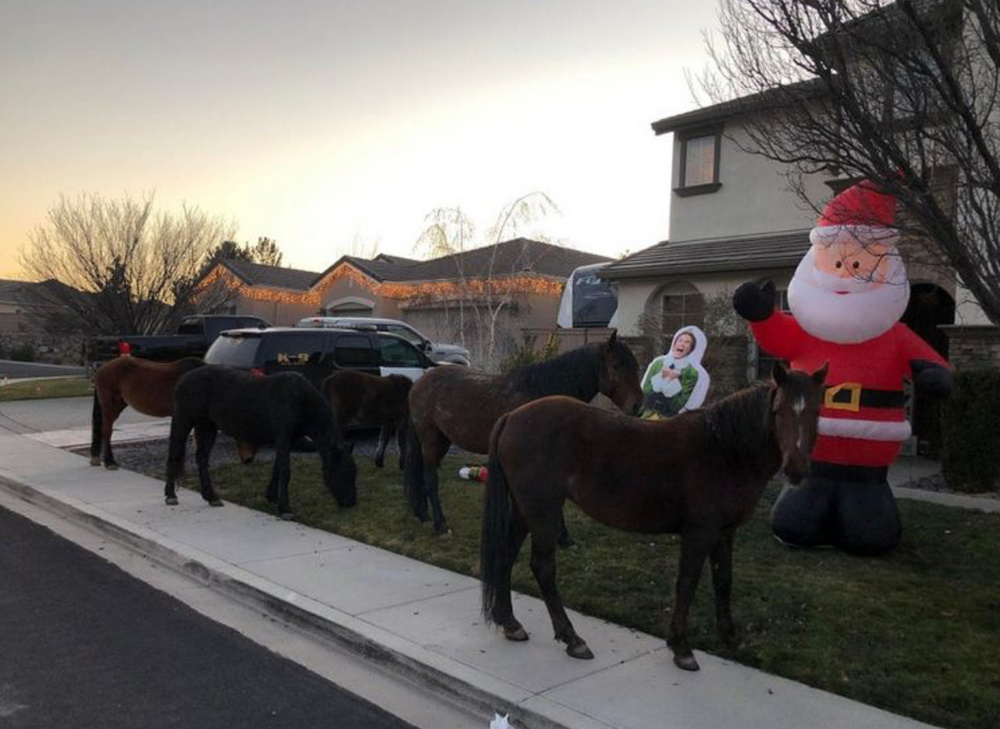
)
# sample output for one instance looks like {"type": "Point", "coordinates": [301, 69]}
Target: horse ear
{"type": "Point", "coordinates": [819, 376]}
{"type": "Point", "coordinates": [779, 372]}
{"type": "Point", "coordinates": [613, 338]}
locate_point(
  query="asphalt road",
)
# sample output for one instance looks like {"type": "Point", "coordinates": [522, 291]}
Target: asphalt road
{"type": "Point", "coordinates": [12, 369]}
{"type": "Point", "coordinates": [83, 644]}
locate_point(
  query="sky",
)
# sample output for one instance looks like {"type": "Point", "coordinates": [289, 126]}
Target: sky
{"type": "Point", "coordinates": [336, 126]}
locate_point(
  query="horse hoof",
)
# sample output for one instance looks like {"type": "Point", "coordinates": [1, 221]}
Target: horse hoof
{"type": "Point", "coordinates": [566, 543]}
{"type": "Point", "coordinates": [518, 634]}
{"type": "Point", "coordinates": [286, 516]}
{"type": "Point", "coordinates": [580, 650]}
{"type": "Point", "coordinates": [171, 501]}
{"type": "Point", "coordinates": [215, 502]}
{"type": "Point", "coordinates": [95, 460]}
{"type": "Point", "coordinates": [111, 466]}
{"type": "Point", "coordinates": [687, 663]}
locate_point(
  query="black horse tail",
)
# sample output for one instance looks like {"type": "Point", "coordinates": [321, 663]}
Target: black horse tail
{"type": "Point", "coordinates": [96, 426]}
{"type": "Point", "coordinates": [413, 472]}
{"type": "Point", "coordinates": [494, 546]}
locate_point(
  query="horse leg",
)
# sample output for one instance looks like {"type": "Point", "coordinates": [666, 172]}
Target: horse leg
{"type": "Point", "coordinates": [110, 410]}
{"type": "Point", "coordinates": [95, 430]}
{"type": "Point", "coordinates": [695, 546]}
{"type": "Point", "coordinates": [401, 442]}
{"type": "Point", "coordinates": [721, 560]}
{"type": "Point", "coordinates": [564, 540]}
{"type": "Point", "coordinates": [543, 566]}
{"type": "Point", "coordinates": [179, 431]}
{"type": "Point", "coordinates": [384, 434]}
{"type": "Point", "coordinates": [283, 473]}
{"type": "Point", "coordinates": [503, 610]}
{"type": "Point", "coordinates": [205, 434]}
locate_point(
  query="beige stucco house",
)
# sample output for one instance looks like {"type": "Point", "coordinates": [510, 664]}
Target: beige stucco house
{"type": "Point", "coordinates": [504, 289]}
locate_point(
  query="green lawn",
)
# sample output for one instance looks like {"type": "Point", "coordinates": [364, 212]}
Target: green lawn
{"type": "Point", "coordinates": [49, 387]}
{"type": "Point", "coordinates": [917, 632]}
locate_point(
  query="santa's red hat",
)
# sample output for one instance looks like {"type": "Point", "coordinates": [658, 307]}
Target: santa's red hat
{"type": "Point", "coordinates": [862, 213]}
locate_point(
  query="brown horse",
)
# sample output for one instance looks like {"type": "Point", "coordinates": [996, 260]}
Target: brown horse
{"type": "Point", "coordinates": [371, 400]}
{"type": "Point", "coordinates": [460, 405]}
{"type": "Point", "coordinates": [146, 386]}
{"type": "Point", "coordinates": [699, 475]}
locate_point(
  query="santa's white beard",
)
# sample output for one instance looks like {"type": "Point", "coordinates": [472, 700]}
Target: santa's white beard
{"type": "Point", "coordinates": [864, 313]}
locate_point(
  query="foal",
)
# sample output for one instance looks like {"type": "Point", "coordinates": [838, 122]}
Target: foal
{"type": "Point", "coordinates": [373, 400]}
{"type": "Point", "coordinates": [699, 475]}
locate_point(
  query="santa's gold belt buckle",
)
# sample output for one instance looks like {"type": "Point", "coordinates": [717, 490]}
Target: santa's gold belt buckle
{"type": "Point", "coordinates": [854, 404]}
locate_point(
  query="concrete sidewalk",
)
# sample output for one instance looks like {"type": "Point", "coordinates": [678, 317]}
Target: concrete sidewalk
{"type": "Point", "coordinates": [420, 621]}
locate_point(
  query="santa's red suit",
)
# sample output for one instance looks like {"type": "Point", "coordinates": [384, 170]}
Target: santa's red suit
{"type": "Point", "coordinates": [862, 422]}
{"type": "Point", "coordinates": [846, 297]}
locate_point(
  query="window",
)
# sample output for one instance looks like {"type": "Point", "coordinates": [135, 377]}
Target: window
{"type": "Point", "coordinates": [355, 351]}
{"type": "Point", "coordinates": [406, 333]}
{"type": "Point", "coordinates": [290, 349]}
{"type": "Point", "coordinates": [395, 353]}
{"type": "Point", "coordinates": [699, 168]}
{"type": "Point", "coordinates": [681, 310]}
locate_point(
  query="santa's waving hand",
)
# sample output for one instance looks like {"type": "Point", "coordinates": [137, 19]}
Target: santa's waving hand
{"type": "Point", "coordinates": [846, 298]}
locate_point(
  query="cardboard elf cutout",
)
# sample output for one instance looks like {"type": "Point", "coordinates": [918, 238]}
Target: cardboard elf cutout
{"type": "Point", "coordinates": [846, 297]}
{"type": "Point", "coordinates": [676, 381]}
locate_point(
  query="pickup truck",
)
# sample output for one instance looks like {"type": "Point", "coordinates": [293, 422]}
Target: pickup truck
{"type": "Point", "coordinates": [194, 336]}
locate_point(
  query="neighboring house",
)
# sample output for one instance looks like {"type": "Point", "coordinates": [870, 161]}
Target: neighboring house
{"type": "Point", "coordinates": [461, 298]}
{"type": "Point", "coordinates": [733, 218]}
{"type": "Point", "coordinates": [28, 307]}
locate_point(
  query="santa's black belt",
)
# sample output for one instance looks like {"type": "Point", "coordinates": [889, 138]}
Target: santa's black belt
{"type": "Point", "coordinates": [852, 396]}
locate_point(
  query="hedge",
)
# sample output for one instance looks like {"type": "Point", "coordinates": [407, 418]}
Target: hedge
{"type": "Point", "coordinates": [970, 429]}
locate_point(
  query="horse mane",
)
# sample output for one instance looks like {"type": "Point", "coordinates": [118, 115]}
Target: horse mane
{"type": "Point", "coordinates": [740, 423]}
{"type": "Point", "coordinates": [575, 373]}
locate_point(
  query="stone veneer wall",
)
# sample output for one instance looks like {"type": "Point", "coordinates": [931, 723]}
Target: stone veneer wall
{"type": "Point", "coordinates": [973, 347]}
{"type": "Point", "coordinates": [49, 348]}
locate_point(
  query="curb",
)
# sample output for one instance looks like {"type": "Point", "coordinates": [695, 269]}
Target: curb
{"type": "Point", "coordinates": [409, 662]}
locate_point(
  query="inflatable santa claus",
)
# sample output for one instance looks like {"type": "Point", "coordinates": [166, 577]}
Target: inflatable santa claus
{"type": "Point", "coordinates": [846, 298]}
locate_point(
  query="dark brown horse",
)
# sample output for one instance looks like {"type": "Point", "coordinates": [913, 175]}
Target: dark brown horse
{"type": "Point", "coordinates": [148, 387]}
{"type": "Point", "coordinates": [699, 475]}
{"type": "Point", "coordinates": [460, 405]}
{"type": "Point", "coordinates": [371, 400]}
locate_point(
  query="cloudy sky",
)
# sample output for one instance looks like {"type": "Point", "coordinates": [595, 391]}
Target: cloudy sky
{"type": "Point", "coordinates": [330, 123]}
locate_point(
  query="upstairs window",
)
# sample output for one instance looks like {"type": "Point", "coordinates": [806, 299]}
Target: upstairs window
{"type": "Point", "coordinates": [699, 171]}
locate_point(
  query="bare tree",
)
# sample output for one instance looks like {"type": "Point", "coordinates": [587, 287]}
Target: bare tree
{"type": "Point", "coordinates": [483, 295]}
{"type": "Point", "coordinates": [118, 267]}
{"type": "Point", "coordinates": [904, 93]}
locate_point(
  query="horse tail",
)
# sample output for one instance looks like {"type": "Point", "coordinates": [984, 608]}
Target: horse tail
{"type": "Point", "coordinates": [96, 426]}
{"type": "Point", "coordinates": [494, 546]}
{"type": "Point", "coordinates": [413, 470]}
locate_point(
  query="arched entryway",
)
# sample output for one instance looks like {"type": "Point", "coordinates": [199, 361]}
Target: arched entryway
{"type": "Point", "coordinates": [349, 306]}
{"type": "Point", "coordinates": [930, 307]}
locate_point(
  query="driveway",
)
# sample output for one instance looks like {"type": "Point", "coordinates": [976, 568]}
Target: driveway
{"type": "Point", "coordinates": [42, 416]}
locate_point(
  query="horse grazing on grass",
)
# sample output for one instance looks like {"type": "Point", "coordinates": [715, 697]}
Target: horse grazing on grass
{"type": "Point", "coordinates": [147, 387]}
{"type": "Point", "coordinates": [372, 400]}
{"type": "Point", "coordinates": [279, 409]}
{"type": "Point", "coordinates": [460, 405]}
{"type": "Point", "coordinates": [699, 474]}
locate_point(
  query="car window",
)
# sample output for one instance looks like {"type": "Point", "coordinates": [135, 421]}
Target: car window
{"type": "Point", "coordinates": [355, 351]}
{"type": "Point", "coordinates": [191, 326]}
{"type": "Point", "coordinates": [289, 348]}
{"type": "Point", "coordinates": [406, 333]}
{"type": "Point", "coordinates": [238, 352]}
{"type": "Point", "coordinates": [395, 353]}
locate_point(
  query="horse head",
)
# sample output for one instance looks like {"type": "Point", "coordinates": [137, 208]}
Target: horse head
{"type": "Point", "coordinates": [340, 472]}
{"type": "Point", "coordinates": [619, 375]}
{"type": "Point", "coordinates": [795, 405]}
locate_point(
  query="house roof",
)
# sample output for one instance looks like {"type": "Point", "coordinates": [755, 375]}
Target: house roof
{"type": "Point", "coordinates": [713, 255]}
{"type": "Point", "coordinates": [258, 274]}
{"type": "Point", "coordinates": [511, 256]}
{"type": "Point", "coordinates": [772, 98]}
